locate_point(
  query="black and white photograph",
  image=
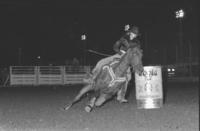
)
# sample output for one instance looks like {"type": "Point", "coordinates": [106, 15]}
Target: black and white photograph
{"type": "Point", "coordinates": [99, 65]}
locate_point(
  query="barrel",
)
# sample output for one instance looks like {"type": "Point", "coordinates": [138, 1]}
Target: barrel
{"type": "Point", "coordinates": [149, 88]}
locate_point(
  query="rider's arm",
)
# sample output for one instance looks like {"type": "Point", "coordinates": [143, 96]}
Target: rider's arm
{"type": "Point", "coordinates": [122, 43]}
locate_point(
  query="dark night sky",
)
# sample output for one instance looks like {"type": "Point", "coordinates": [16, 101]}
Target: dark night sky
{"type": "Point", "coordinates": [52, 30]}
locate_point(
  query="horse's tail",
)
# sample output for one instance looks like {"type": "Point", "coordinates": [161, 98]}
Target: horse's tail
{"type": "Point", "coordinates": [84, 90]}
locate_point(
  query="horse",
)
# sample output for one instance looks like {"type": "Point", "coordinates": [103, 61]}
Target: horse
{"type": "Point", "coordinates": [111, 78]}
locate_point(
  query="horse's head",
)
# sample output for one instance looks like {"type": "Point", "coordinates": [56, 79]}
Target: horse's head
{"type": "Point", "coordinates": [135, 54]}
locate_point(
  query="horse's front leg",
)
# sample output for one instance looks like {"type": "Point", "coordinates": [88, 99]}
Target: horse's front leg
{"type": "Point", "coordinates": [102, 99]}
{"type": "Point", "coordinates": [97, 101]}
{"type": "Point", "coordinates": [122, 92]}
{"type": "Point", "coordinates": [90, 106]}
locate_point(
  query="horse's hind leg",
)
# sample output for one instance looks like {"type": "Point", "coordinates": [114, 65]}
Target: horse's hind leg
{"type": "Point", "coordinates": [101, 99]}
{"type": "Point", "coordinates": [84, 90]}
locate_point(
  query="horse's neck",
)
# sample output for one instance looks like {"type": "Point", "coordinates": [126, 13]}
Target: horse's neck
{"type": "Point", "coordinates": [121, 67]}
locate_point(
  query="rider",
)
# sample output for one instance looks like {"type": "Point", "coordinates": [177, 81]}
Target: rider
{"type": "Point", "coordinates": [120, 47]}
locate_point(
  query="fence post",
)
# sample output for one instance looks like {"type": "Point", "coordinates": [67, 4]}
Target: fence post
{"type": "Point", "coordinates": [10, 73]}
{"type": "Point", "coordinates": [36, 75]}
{"type": "Point", "coordinates": [63, 74]}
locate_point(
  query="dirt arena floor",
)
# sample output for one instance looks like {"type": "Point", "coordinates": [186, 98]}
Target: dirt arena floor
{"type": "Point", "coordinates": [40, 109]}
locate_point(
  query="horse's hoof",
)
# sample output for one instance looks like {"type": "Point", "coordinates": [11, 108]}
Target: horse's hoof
{"type": "Point", "coordinates": [123, 101]}
{"type": "Point", "coordinates": [88, 108]}
{"type": "Point", "coordinates": [67, 108]}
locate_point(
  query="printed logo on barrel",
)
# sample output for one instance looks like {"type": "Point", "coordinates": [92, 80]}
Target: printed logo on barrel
{"type": "Point", "coordinates": [149, 88]}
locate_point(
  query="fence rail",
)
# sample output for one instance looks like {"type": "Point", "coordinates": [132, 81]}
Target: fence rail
{"type": "Point", "coordinates": [47, 75]}
{"type": "Point", "coordinates": [61, 75]}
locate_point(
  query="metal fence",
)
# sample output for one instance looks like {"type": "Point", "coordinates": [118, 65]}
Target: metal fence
{"type": "Point", "coordinates": [47, 75]}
